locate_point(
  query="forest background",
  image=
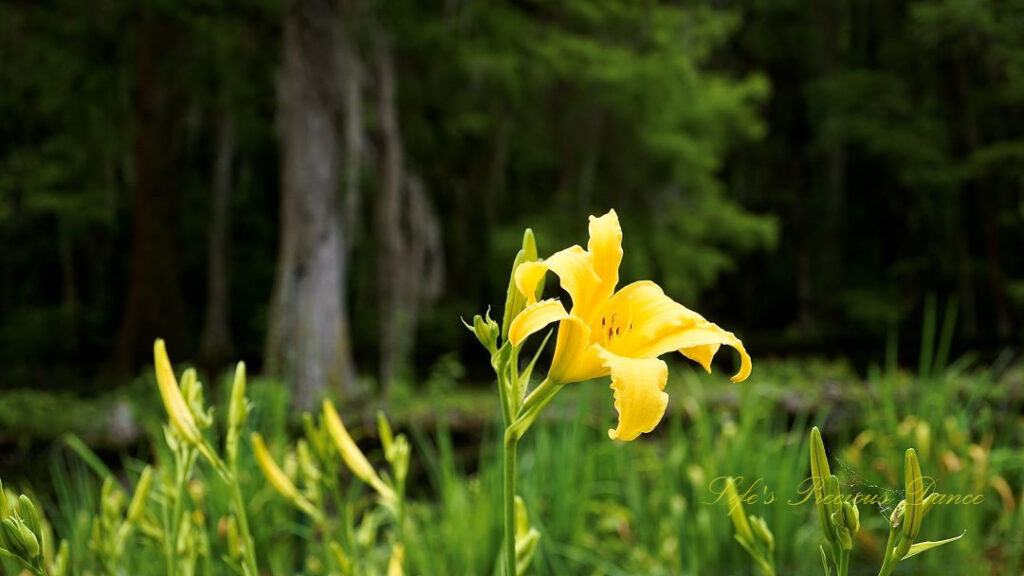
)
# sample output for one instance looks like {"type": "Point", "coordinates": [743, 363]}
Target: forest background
{"type": "Point", "coordinates": [322, 188]}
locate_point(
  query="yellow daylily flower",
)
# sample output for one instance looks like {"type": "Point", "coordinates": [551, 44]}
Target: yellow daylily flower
{"type": "Point", "coordinates": [618, 333]}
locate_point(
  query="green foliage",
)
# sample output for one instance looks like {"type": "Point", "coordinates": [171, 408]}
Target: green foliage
{"type": "Point", "coordinates": [608, 508]}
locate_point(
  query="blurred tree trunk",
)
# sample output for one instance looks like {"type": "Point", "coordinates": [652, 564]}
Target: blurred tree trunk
{"type": "Point", "coordinates": [408, 231]}
{"type": "Point", "coordinates": [351, 69]}
{"type": "Point", "coordinates": [216, 347]}
{"type": "Point", "coordinates": [154, 305]}
{"type": "Point", "coordinates": [308, 336]}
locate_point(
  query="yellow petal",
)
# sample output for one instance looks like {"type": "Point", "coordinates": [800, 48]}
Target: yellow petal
{"type": "Point", "coordinates": [574, 267]}
{"type": "Point", "coordinates": [640, 399]}
{"type": "Point", "coordinates": [177, 409]}
{"type": "Point", "coordinates": [710, 334]}
{"type": "Point", "coordinates": [527, 276]}
{"type": "Point", "coordinates": [533, 318]}
{"type": "Point", "coordinates": [660, 325]}
{"type": "Point", "coordinates": [650, 310]}
{"type": "Point", "coordinates": [575, 358]}
{"type": "Point", "coordinates": [606, 248]}
{"type": "Point", "coordinates": [702, 354]}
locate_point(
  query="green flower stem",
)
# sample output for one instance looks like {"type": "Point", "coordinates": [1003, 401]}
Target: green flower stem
{"type": "Point", "coordinates": [527, 413]}
{"type": "Point", "coordinates": [31, 567]}
{"type": "Point", "coordinates": [843, 562]}
{"type": "Point", "coordinates": [243, 527]}
{"type": "Point", "coordinates": [507, 410]}
{"type": "Point", "coordinates": [401, 514]}
{"type": "Point", "coordinates": [183, 467]}
{"type": "Point", "coordinates": [537, 400]}
{"type": "Point", "coordinates": [323, 527]}
{"type": "Point", "coordinates": [510, 446]}
{"type": "Point", "coordinates": [231, 478]}
{"type": "Point", "coordinates": [887, 564]}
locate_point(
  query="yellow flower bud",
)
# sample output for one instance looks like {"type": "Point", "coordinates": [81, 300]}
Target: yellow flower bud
{"type": "Point", "coordinates": [274, 474]}
{"type": "Point", "coordinates": [350, 453]}
{"type": "Point", "coordinates": [177, 409]}
{"type": "Point", "coordinates": [279, 480]}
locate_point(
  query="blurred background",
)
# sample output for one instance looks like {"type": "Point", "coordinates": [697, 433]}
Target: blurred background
{"type": "Point", "coordinates": [323, 188]}
{"type": "Point", "coordinates": [335, 183]}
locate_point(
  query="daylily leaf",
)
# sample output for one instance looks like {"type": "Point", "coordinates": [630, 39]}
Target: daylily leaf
{"type": "Point", "coordinates": [925, 546]}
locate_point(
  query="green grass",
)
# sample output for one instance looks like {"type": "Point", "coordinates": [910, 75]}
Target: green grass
{"type": "Point", "coordinates": [642, 507]}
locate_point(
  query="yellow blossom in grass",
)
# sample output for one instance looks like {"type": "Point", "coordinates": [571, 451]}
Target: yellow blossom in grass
{"type": "Point", "coordinates": [618, 333]}
{"type": "Point", "coordinates": [177, 409]}
{"type": "Point", "coordinates": [351, 454]}
{"type": "Point", "coordinates": [278, 479]}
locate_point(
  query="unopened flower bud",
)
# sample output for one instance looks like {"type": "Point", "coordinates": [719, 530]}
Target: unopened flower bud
{"type": "Point", "coordinates": [28, 514]}
{"type": "Point", "coordinates": [351, 454]}
{"type": "Point", "coordinates": [238, 410]}
{"type": "Point", "coordinates": [760, 528]}
{"type": "Point", "coordinates": [384, 427]}
{"type": "Point", "coordinates": [277, 478]}
{"type": "Point", "coordinates": [177, 408]}
{"type": "Point", "coordinates": [896, 518]}
{"type": "Point", "coordinates": [486, 331]}
{"type": "Point", "coordinates": [514, 300]}
{"type": "Point", "coordinates": [138, 505]}
{"type": "Point", "coordinates": [915, 496]}
{"type": "Point", "coordinates": [739, 518]}
{"type": "Point", "coordinates": [852, 517]}
{"type": "Point", "coordinates": [29, 542]}
{"type": "Point", "coordinates": [522, 518]}
{"type": "Point", "coordinates": [820, 473]}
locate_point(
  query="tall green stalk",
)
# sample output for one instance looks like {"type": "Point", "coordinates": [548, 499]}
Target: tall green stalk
{"type": "Point", "coordinates": [172, 525]}
{"type": "Point", "coordinates": [509, 453]}
{"type": "Point", "coordinates": [243, 526]}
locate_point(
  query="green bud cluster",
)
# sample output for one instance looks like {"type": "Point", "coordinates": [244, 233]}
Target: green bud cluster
{"type": "Point", "coordinates": [113, 528]}
{"type": "Point", "coordinates": [22, 534]}
{"type": "Point", "coordinates": [907, 518]}
{"type": "Point", "coordinates": [840, 518]}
